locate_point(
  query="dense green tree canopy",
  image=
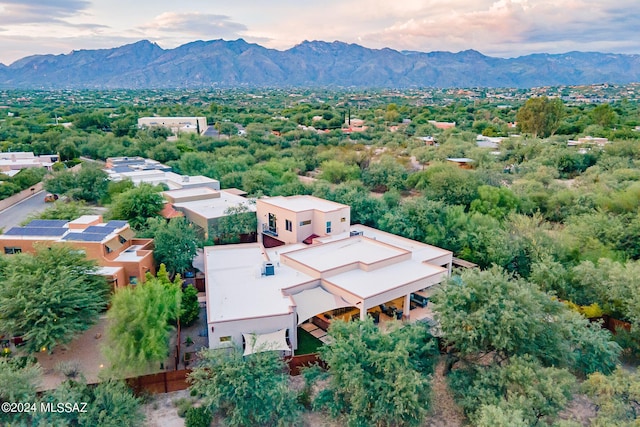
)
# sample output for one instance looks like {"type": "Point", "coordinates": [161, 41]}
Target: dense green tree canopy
{"type": "Point", "coordinates": [49, 297]}
{"type": "Point", "coordinates": [137, 205]}
{"type": "Point", "coordinates": [88, 184]}
{"type": "Point", "coordinates": [375, 377]}
{"type": "Point", "coordinates": [174, 243]}
{"type": "Point", "coordinates": [140, 320]}
{"type": "Point", "coordinates": [245, 390]}
{"type": "Point", "coordinates": [238, 220]}
{"type": "Point", "coordinates": [19, 379]}
{"type": "Point", "coordinates": [489, 313]}
{"type": "Point", "coordinates": [540, 116]}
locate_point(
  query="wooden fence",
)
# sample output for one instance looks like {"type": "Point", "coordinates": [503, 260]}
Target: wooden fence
{"type": "Point", "coordinates": [614, 324]}
{"type": "Point", "coordinates": [166, 382]}
{"type": "Point", "coordinates": [297, 362]}
{"type": "Point", "coordinates": [162, 382]}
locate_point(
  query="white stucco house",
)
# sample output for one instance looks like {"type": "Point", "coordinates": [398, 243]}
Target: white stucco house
{"type": "Point", "coordinates": [259, 295]}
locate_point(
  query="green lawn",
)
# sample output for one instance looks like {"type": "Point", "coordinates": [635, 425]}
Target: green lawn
{"type": "Point", "coordinates": [307, 343]}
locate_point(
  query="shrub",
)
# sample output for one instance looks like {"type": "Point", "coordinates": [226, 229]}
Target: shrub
{"type": "Point", "coordinates": [198, 417]}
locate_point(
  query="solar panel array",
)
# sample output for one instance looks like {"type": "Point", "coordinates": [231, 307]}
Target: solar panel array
{"type": "Point", "coordinates": [36, 231]}
{"type": "Point", "coordinates": [116, 224]}
{"type": "Point", "coordinates": [97, 229]}
{"type": "Point", "coordinates": [84, 237]}
{"type": "Point", "coordinates": [55, 228]}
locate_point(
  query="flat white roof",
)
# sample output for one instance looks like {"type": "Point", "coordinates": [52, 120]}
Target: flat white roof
{"type": "Point", "coordinates": [86, 219]}
{"type": "Point", "coordinates": [188, 178]}
{"type": "Point", "coordinates": [215, 207]}
{"type": "Point", "coordinates": [366, 284]}
{"type": "Point", "coordinates": [303, 203]}
{"type": "Point", "coordinates": [171, 118]}
{"type": "Point", "coordinates": [191, 191]}
{"type": "Point", "coordinates": [343, 252]}
{"type": "Point", "coordinates": [130, 254]}
{"type": "Point", "coordinates": [419, 251]}
{"type": "Point", "coordinates": [236, 288]}
{"type": "Point", "coordinates": [108, 271]}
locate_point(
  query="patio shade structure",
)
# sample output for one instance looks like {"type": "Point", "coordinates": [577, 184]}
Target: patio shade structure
{"type": "Point", "coordinates": [272, 341]}
{"type": "Point", "coordinates": [316, 300]}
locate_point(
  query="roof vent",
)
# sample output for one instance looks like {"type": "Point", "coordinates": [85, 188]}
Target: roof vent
{"type": "Point", "coordinates": [269, 269]}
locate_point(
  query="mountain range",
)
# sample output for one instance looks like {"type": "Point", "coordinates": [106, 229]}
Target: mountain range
{"type": "Point", "coordinates": [219, 63]}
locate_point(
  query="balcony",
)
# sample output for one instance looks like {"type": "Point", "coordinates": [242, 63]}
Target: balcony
{"type": "Point", "coordinates": [271, 231]}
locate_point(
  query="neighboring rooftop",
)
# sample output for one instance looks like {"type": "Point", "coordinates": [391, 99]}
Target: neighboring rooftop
{"type": "Point", "coordinates": [214, 207]}
{"type": "Point", "coordinates": [134, 164]}
{"type": "Point", "coordinates": [15, 161]}
{"type": "Point", "coordinates": [87, 228]}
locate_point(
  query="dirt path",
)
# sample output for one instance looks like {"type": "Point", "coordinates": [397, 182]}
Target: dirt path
{"type": "Point", "coordinates": [444, 412]}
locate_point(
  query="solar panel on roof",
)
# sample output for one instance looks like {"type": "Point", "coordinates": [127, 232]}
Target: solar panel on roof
{"type": "Point", "coordinates": [116, 223]}
{"type": "Point", "coordinates": [47, 223]}
{"type": "Point", "coordinates": [99, 229]}
{"type": "Point", "coordinates": [36, 231]}
{"type": "Point", "coordinates": [84, 237]}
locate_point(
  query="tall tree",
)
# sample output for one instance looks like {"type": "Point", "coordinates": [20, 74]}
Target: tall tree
{"type": "Point", "coordinates": [540, 116]}
{"type": "Point", "coordinates": [137, 205]}
{"type": "Point", "coordinates": [49, 297]}
{"type": "Point", "coordinates": [18, 381]}
{"type": "Point", "coordinates": [238, 220]}
{"type": "Point", "coordinates": [375, 377]}
{"type": "Point", "coordinates": [616, 396]}
{"type": "Point", "coordinates": [491, 314]}
{"type": "Point", "coordinates": [520, 389]}
{"type": "Point", "coordinates": [139, 324]}
{"type": "Point", "coordinates": [89, 184]}
{"type": "Point", "coordinates": [175, 243]}
{"type": "Point", "coordinates": [110, 403]}
{"type": "Point", "coordinates": [245, 390]}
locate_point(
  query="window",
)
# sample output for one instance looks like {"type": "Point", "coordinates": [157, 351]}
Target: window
{"type": "Point", "coordinates": [133, 280]}
{"type": "Point", "coordinates": [288, 225]}
{"type": "Point", "coordinates": [108, 249]}
{"type": "Point", "coordinates": [307, 222]}
{"type": "Point", "coordinates": [328, 227]}
{"type": "Point", "coordinates": [12, 250]}
{"type": "Point", "coordinates": [343, 219]}
{"type": "Point", "coordinates": [225, 339]}
{"type": "Point", "coordinates": [122, 239]}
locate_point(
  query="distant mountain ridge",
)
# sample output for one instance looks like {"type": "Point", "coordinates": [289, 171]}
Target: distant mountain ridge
{"type": "Point", "coordinates": [309, 64]}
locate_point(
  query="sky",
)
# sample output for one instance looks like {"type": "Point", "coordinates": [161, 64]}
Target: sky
{"type": "Point", "coordinates": [503, 28]}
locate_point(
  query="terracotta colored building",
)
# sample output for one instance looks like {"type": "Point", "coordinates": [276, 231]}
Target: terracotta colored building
{"type": "Point", "coordinates": [122, 259]}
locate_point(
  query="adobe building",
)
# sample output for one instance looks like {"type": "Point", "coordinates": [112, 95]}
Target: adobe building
{"type": "Point", "coordinates": [285, 220]}
{"type": "Point", "coordinates": [258, 296]}
{"type": "Point", "coordinates": [123, 259]}
{"type": "Point", "coordinates": [177, 125]}
{"type": "Point", "coordinates": [204, 206]}
{"type": "Point", "coordinates": [140, 170]}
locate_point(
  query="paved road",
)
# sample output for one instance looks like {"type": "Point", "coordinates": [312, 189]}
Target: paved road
{"type": "Point", "coordinates": [17, 213]}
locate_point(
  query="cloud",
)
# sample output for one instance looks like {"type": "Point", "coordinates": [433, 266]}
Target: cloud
{"type": "Point", "coordinates": [512, 26]}
{"type": "Point", "coordinates": [195, 24]}
{"type": "Point", "coordinates": [40, 11]}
